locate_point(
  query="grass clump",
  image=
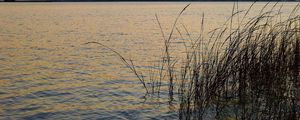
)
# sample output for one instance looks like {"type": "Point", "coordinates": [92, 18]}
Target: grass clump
{"type": "Point", "coordinates": [256, 76]}
{"type": "Point", "coordinates": [248, 69]}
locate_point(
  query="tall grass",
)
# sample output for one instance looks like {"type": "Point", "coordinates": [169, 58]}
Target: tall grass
{"type": "Point", "coordinates": [255, 77]}
{"type": "Point", "coordinates": [246, 69]}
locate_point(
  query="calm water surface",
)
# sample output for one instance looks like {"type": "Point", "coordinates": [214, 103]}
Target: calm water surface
{"type": "Point", "coordinates": [47, 72]}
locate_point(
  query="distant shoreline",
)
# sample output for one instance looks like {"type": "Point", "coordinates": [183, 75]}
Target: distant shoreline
{"type": "Point", "coordinates": [153, 1]}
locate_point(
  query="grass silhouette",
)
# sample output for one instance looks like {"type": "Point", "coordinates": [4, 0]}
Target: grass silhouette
{"type": "Point", "coordinates": [248, 69]}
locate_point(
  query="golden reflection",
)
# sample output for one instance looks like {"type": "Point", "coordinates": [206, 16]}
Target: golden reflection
{"type": "Point", "coordinates": [42, 49]}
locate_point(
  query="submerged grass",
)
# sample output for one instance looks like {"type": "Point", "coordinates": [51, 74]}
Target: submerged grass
{"type": "Point", "coordinates": [247, 69]}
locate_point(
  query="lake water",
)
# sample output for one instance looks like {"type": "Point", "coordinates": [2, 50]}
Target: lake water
{"type": "Point", "coordinates": [47, 72]}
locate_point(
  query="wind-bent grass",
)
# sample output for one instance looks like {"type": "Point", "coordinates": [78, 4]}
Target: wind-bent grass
{"type": "Point", "coordinates": [246, 71]}
{"type": "Point", "coordinates": [128, 63]}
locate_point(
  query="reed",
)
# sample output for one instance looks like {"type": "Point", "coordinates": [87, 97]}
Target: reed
{"type": "Point", "coordinates": [248, 69]}
{"type": "Point", "coordinates": [256, 75]}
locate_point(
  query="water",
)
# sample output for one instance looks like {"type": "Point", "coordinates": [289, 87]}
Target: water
{"type": "Point", "coordinates": [47, 72]}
